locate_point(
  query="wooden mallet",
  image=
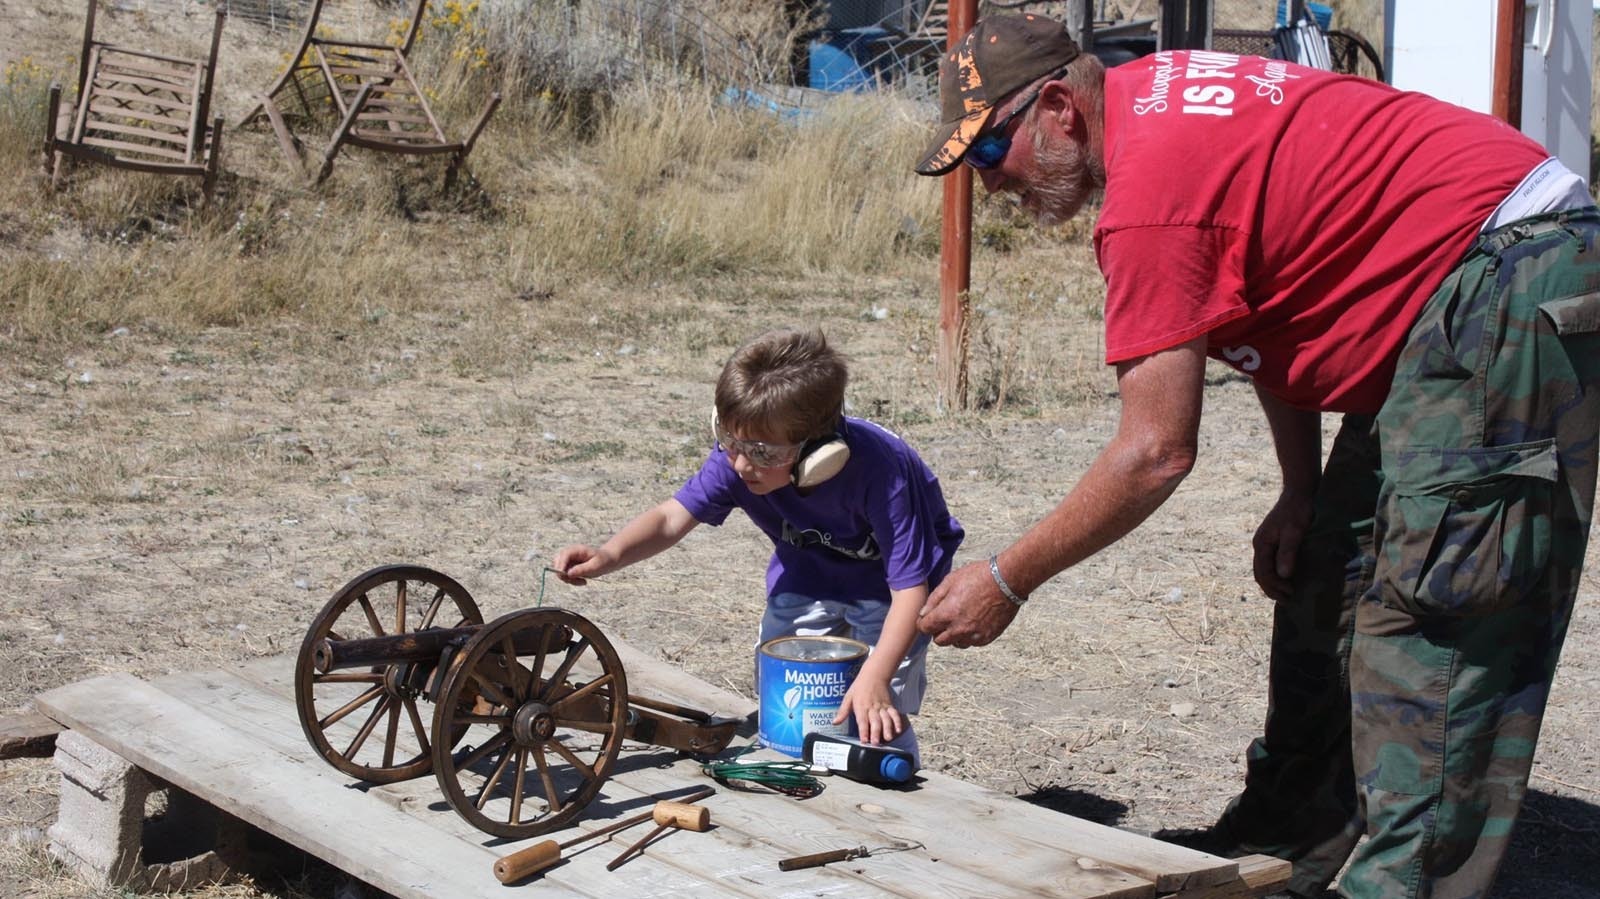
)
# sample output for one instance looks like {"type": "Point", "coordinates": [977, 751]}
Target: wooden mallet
{"type": "Point", "coordinates": [668, 814]}
{"type": "Point", "coordinates": [536, 858]}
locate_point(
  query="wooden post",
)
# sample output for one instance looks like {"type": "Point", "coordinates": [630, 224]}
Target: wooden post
{"type": "Point", "coordinates": [955, 253]}
{"type": "Point", "coordinates": [1508, 40]}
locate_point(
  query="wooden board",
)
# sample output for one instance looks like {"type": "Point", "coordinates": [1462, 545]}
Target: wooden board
{"type": "Point", "coordinates": [183, 746]}
{"type": "Point", "coordinates": [27, 734]}
{"type": "Point", "coordinates": [743, 844]}
{"type": "Point", "coordinates": [233, 739]}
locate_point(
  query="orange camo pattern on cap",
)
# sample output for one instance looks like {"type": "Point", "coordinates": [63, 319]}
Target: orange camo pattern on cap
{"type": "Point", "coordinates": [966, 132]}
{"type": "Point", "coordinates": [963, 74]}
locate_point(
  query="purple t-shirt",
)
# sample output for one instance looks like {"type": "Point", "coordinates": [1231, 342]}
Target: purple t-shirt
{"type": "Point", "coordinates": [880, 524]}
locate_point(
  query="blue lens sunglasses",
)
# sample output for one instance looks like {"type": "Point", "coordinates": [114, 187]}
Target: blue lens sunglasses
{"type": "Point", "coordinates": [991, 147]}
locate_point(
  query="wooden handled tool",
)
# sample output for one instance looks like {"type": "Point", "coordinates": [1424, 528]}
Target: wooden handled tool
{"type": "Point", "coordinates": [539, 856]}
{"type": "Point", "coordinates": [841, 855]}
{"type": "Point", "coordinates": [822, 858]}
{"type": "Point", "coordinates": [668, 814]}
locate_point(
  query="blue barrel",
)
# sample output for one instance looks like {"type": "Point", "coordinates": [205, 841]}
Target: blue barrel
{"type": "Point", "coordinates": [847, 60]}
{"type": "Point", "coordinates": [802, 682]}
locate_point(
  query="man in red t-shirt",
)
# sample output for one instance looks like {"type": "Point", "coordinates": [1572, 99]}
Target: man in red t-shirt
{"type": "Point", "coordinates": [1427, 271]}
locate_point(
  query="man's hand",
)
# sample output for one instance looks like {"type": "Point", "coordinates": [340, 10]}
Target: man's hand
{"type": "Point", "coordinates": [1277, 542]}
{"type": "Point", "coordinates": [967, 609]}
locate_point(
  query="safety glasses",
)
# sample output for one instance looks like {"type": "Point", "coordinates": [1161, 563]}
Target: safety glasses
{"type": "Point", "coordinates": [991, 147]}
{"type": "Point", "coordinates": [760, 453]}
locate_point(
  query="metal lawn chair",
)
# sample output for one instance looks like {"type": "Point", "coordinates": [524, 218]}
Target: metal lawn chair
{"type": "Point", "coordinates": [373, 93]}
{"type": "Point", "coordinates": [138, 110]}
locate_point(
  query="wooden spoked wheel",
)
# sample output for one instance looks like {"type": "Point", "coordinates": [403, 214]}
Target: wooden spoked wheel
{"type": "Point", "coordinates": [540, 744]}
{"type": "Point", "coordinates": [366, 721]}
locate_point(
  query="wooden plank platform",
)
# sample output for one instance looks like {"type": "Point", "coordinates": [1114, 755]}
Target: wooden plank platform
{"type": "Point", "coordinates": [233, 739]}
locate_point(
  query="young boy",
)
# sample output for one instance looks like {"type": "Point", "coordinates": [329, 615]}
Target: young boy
{"type": "Point", "coordinates": [858, 522]}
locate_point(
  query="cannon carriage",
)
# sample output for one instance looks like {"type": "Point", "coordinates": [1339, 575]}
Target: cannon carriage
{"type": "Point", "coordinates": [520, 719]}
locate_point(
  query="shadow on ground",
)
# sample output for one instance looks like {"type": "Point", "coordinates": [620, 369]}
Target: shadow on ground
{"type": "Point", "coordinates": [1554, 854]}
{"type": "Point", "coordinates": [1077, 803]}
{"type": "Point", "coordinates": [1555, 850]}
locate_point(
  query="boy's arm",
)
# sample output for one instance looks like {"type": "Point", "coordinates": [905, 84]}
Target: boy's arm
{"type": "Point", "coordinates": [648, 533]}
{"type": "Point", "coordinates": [869, 697]}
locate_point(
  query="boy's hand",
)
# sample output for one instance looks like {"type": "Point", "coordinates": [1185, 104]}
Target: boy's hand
{"type": "Point", "coordinates": [577, 563]}
{"type": "Point", "coordinates": [877, 720]}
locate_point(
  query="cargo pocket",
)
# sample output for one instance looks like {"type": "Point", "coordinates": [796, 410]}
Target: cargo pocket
{"type": "Point", "coordinates": [1578, 314]}
{"type": "Point", "coordinates": [1467, 532]}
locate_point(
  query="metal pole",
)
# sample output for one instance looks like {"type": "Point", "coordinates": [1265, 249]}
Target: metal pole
{"type": "Point", "coordinates": [1508, 41]}
{"type": "Point", "coordinates": [955, 252]}
{"type": "Point", "coordinates": [1199, 24]}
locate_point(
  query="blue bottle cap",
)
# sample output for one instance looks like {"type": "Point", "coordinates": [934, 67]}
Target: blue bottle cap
{"type": "Point", "coordinates": [895, 768]}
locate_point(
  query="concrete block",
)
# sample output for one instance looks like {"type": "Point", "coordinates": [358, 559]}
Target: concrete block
{"type": "Point", "coordinates": [119, 826]}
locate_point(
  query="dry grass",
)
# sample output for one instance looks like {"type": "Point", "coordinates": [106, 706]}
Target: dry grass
{"type": "Point", "coordinates": [661, 181]}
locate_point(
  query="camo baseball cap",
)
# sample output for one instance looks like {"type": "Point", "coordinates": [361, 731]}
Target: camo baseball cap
{"type": "Point", "coordinates": [1001, 54]}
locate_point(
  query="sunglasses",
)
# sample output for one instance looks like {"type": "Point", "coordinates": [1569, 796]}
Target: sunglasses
{"type": "Point", "coordinates": [991, 147]}
{"type": "Point", "coordinates": [760, 453]}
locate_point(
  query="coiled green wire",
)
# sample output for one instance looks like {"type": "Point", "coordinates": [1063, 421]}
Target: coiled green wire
{"type": "Point", "coordinates": [793, 778]}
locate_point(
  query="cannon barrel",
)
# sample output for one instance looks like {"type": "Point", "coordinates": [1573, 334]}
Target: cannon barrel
{"type": "Point", "coordinates": [420, 646]}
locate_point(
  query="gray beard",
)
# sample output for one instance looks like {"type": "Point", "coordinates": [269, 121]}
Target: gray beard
{"type": "Point", "coordinates": [1066, 181]}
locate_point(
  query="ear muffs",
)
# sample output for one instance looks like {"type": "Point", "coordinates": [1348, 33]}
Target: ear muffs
{"type": "Point", "coordinates": [819, 460]}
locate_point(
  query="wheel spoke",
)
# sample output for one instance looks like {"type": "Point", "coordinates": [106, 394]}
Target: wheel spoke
{"type": "Point", "coordinates": [433, 609]}
{"type": "Point", "coordinates": [339, 714]}
{"type": "Point", "coordinates": [538, 660]}
{"type": "Point", "coordinates": [416, 726]}
{"type": "Point", "coordinates": [473, 757]}
{"type": "Point", "coordinates": [392, 734]}
{"type": "Point", "coordinates": [494, 691]}
{"type": "Point", "coordinates": [372, 616]}
{"type": "Point", "coordinates": [366, 729]}
{"type": "Point", "coordinates": [494, 779]}
{"type": "Point", "coordinates": [559, 676]}
{"type": "Point", "coordinates": [490, 720]}
{"type": "Point", "coordinates": [572, 759]}
{"type": "Point", "coordinates": [508, 659]}
{"type": "Point", "coordinates": [552, 796]}
{"type": "Point", "coordinates": [400, 607]}
{"type": "Point", "coordinates": [585, 690]}
{"type": "Point", "coordinates": [521, 784]}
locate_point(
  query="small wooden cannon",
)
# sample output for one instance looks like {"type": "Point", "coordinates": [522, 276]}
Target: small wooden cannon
{"type": "Point", "coordinates": [537, 743]}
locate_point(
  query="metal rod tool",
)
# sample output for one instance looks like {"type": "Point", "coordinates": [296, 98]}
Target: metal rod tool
{"type": "Point", "coordinates": [668, 814]}
{"type": "Point", "coordinates": [539, 856]}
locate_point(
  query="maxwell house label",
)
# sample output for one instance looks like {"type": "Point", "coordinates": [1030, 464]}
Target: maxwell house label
{"type": "Point", "coordinates": [802, 682]}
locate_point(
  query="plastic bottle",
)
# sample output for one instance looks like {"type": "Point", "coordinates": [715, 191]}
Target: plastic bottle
{"type": "Point", "coordinates": [859, 761]}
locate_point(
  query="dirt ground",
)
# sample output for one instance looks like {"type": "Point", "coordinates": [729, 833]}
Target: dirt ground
{"type": "Point", "coordinates": [188, 501]}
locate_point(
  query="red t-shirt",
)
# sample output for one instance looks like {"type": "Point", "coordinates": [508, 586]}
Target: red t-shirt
{"type": "Point", "coordinates": [1297, 218]}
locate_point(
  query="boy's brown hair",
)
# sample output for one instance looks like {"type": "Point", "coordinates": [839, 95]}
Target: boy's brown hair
{"type": "Point", "coordinates": [783, 384]}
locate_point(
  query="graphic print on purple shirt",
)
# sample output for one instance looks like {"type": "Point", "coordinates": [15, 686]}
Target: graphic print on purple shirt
{"type": "Point", "coordinates": [884, 495]}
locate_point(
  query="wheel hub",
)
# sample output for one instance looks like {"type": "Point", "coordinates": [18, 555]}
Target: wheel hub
{"type": "Point", "coordinates": [533, 723]}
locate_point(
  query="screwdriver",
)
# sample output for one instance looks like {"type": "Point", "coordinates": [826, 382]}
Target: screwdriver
{"type": "Point", "coordinates": [539, 856]}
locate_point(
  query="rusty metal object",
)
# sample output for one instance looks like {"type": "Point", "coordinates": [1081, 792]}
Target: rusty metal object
{"type": "Point", "coordinates": [537, 744]}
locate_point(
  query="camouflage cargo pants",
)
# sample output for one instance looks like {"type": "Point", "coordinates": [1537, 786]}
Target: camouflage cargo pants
{"type": "Point", "coordinates": [1411, 668]}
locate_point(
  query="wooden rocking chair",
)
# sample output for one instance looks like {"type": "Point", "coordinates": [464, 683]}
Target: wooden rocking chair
{"type": "Point", "coordinates": [140, 111]}
{"type": "Point", "coordinates": [374, 94]}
